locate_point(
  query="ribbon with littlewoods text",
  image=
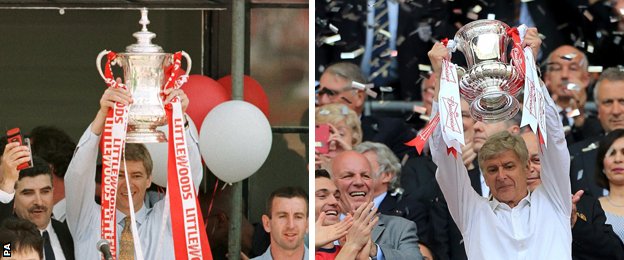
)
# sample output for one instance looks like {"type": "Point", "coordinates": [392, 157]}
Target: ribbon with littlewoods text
{"type": "Point", "coordinates": [189, 236]}
{"type": "Point", "coordinates": [111, 145]}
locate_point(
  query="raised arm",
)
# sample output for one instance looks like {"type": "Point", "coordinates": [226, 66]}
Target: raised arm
{"type": "Point", "coordinates": [82, 211]}
{"type": "Point", "coordinates": [451, 174]}
{"type": "Point", "coordinates": [555, 159]}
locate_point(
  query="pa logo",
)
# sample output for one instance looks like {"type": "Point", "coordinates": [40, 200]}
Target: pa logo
{"type": "Point", "coordinates": [6, 250]}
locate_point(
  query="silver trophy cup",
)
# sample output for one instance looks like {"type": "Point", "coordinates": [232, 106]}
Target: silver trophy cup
{"type": "Point", "coordinates": [144, 65]}
{"type": "Point", "coordinates": [491, 84]}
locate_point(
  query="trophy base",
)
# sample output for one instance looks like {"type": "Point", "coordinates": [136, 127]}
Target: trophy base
{"type": "Point", "coordinates": [495, 106]}
{"type": "Point", "coordinates": [154, 136]}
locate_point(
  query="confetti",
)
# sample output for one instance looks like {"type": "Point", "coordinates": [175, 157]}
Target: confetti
{"type": "Point", "coordinates": [588, 15]}
{"type": "Point", "coordinates": [384, 33]}
{"type": "Point", "coordinates": [386, 89]}
{"type": "Point", "coordinates": [617, 40]}
{"type": "Point", "coordinates": [491, 16]}
{"type": "Point", "coordinates": [332, 39]}
{"type": "Point", "coordinates": [574, 87]}
{"type": "Point", "coordinates": [333, 28]}
{"type": "Point", "coordinates": [594, 69]}
{"type": "Point", "coordinates": [352, 55]}
{"type": "Point", "coordinates": [477, 9]}
{"type": "Point", "coordinates": [366, 87]}
{"type": "Point", "coordinates": [472, 16]}
{"type": "Point", "coordinates": [590, 48]}
{"type": "Point", "coordinates": [424, 67]}
{"type": "Point", "coordinates": [569, 56]}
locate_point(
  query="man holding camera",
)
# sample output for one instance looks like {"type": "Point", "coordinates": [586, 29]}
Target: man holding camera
{"type": "Point", "coordinates": [28, 194]}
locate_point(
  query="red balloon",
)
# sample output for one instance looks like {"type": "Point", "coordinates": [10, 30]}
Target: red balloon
{"type": "Point", "coordinates": [204, 94]}
{"type": "Point", "coordinates": [253, 92]}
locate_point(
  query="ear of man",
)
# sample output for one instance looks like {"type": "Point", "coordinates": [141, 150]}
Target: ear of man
{"type": "Point", "coordinates": [266, 223]}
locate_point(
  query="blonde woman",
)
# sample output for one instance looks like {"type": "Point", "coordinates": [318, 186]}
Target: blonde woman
{"type": "Point", "coordinates": [344, 131]}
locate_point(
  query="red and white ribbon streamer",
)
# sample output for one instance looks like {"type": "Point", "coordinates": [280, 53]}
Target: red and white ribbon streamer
{"type": "Point", "coordinates": [450, 107]}
{"type": "Point", "coordinates": [112, 146]}
{"type": "Point", "coordinates": [189, 236]}
{"type": "Point", "coordinates": [533, 107]}
{"type": "Point", "coordinates": [190, 240]}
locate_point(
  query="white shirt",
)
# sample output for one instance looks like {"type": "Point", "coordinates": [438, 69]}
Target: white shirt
{"type": "Point", "coordinates": [537, 228]}
{"type": "Point", "coordinates": [54, 241]}
{"type": "Point", "coordinates": [83, 214]}
{"type": "Point", "coordinates": [58, 211]}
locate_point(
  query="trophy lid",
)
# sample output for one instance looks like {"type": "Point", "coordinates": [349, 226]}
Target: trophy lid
{"type": "Point", "coordinates": [144, 38]}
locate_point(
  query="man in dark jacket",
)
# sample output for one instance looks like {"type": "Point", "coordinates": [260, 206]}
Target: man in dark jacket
{"type": "Point", "coordinates": [27, 194]}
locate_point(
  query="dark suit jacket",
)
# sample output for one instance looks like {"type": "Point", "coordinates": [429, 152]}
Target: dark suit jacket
{"type": "Point", "coordinates": [591, 237]}
{"type": "Point", "coordinates": [393, 132]}
{"type": "Point", "coordinates": [60, 228]}
{"type": "Point", "coordinates": [583, 167]}
{"type": "Point", "coordinates": [406, 206]}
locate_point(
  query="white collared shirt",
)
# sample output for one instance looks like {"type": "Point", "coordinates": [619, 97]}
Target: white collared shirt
{"type": "Point", "coordinates": [537, 228]}
{"type": "Point", "coordinates": [58, 211]}
{"type": "Point", "coordinates": [54, 241]}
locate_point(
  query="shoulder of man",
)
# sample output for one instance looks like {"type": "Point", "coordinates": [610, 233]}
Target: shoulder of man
{"type": "Point", "coordinates": [584, 146]}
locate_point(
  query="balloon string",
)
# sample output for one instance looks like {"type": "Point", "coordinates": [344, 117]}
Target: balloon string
{"type": "Point", "coordinates": [214, 193]}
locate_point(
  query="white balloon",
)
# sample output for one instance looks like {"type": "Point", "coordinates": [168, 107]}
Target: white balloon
{"type": "Point", "coordinates": [235, 140]}
{"type": "Point", "coordinates": [159, 152]}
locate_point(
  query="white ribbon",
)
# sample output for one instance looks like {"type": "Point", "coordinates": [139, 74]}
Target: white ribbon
{"type": "Point", "coordinates": [533, 112]}
{"type": "Point", "coordinates": [450, 107]}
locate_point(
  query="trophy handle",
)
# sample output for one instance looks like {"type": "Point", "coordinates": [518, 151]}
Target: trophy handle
{"type": "Point", "coordinates": [98, 62]}
{"type": "Point", "coordinates": [188, 62]}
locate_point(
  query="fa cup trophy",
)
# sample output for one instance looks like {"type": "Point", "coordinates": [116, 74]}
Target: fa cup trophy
{"type": "Point", "coordinates": [491, 84]}
{"type": "Point", "coordinates": [144, 65]}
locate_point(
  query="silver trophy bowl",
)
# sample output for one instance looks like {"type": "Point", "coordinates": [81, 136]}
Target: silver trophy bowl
{"type": "Point", "coordinates": [491, 84]}
{"type": "Point", "coordinates": [144, 65]}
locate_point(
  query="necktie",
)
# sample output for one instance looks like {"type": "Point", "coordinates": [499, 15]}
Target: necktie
{"type": "Point", "coordinates": [47, 246]}
{"type": "Point", "coordinates": [381, 58]}
{"type": "Point", "coordinates": [126, 244]}
{"type": "Point", "coordinates": [564, 118]}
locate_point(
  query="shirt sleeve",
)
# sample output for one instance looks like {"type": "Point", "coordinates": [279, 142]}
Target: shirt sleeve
{"type": "Point", "coordinates": [6, 197]}
{"type": "Point", "coordinates": [453, 179]}
{"type": "Point", "coordinates": [82, 211]}
{"type": "Point", "coordinates": [555, 159]}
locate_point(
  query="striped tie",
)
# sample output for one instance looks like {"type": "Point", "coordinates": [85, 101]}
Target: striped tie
{"type": "Point", "coordinates": [381, 58]}
{"type": "Point", "coordinates": [126, 245]}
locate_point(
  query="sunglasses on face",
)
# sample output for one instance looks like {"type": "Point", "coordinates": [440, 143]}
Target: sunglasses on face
{"type": "Point", "coordinates": [329, 92]}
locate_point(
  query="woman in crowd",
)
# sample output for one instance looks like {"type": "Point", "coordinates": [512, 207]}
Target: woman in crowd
{"type": "Point", "coordinates": [345, 131]}
{"type": "Point", "coordinates": [610, 175]}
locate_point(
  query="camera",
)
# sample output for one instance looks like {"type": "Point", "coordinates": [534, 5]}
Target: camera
{"type": "Point", "coordinates": [14, 135]}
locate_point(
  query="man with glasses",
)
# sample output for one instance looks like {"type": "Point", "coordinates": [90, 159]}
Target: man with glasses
{"type": "Point", "coordinates": [567, 79]}
{"type": "Point", "coordinates": [340, 83]}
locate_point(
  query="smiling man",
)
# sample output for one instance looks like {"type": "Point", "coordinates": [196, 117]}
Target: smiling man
{"type": "Point", "coordinates": [393, 237]}
{"type": "Point", "coordinates": [287, 223]}
{"type": "Point", "coordinates": [84, 214]}
{"type": "Point", "coordinates": [515, 223]}
{"type": "Point", "coordinates": [32, 193]}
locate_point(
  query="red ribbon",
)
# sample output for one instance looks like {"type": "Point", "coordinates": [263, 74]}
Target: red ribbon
{"type": "Point", "coordinates": [189, 235]}
{"type": "Point", "coordinates": [112, 145]}
{"type": "Point", "coordinates": [419, 141]}
{"type": "Point", "coordinates": [517, 54]}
